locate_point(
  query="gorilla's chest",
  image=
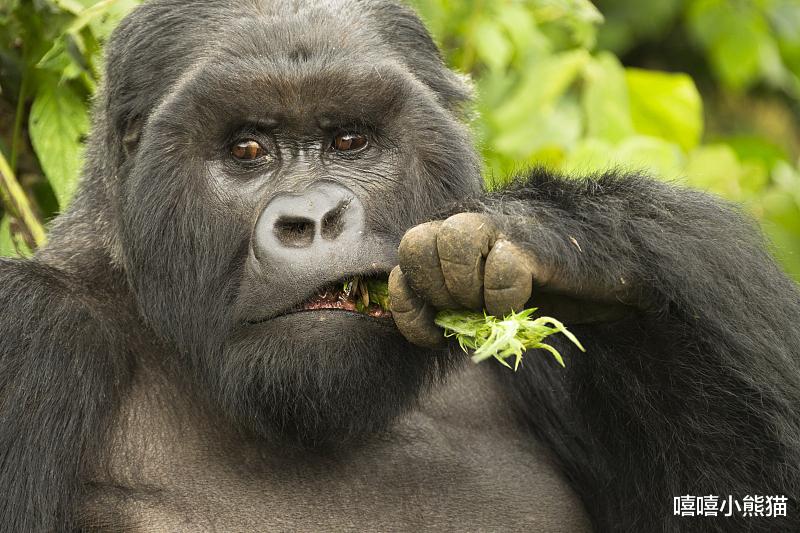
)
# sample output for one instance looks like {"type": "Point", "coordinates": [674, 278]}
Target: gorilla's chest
{"type": "Point", "coordinates": [455, 464]}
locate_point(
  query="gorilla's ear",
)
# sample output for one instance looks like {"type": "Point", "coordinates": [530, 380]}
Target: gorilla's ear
{"type": "Point", "coordinates": [402, 29]}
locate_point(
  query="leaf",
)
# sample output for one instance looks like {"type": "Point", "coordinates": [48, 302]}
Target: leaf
{"type": "Point", "coordinates": [544, 84]}
{"type": "Point", "coordinates": [665, 105]}
{"type": "Point", "coordinates": [7, 10]}
{"type": "Point", "coordinates": [780, 212]}
{"type": "Point", "coordinates": [518, 21]}
{"type": "Point", "coordinates": [737, 39]}
{"type": "Point", "coordinates": [786, 178]}
{"type": "Point", "coordinates": [74, 51]}
{"type": "Point", "coordinates": [91, 13]}
{"type": "Point", "coordinates": [737, 57]}
{"type": "Point", "coordinates": [103, 23]}
{"type": "Point", "coordinates": [716, 168]}
{"type": "Point", "coordinates": [378, 293]}
{"type": "Point", "coordinates": [10, 246]}
{"type": "Point", "coordinates": [58, 122]}
{"type": "Point", "coordinates": [581, 10]}
{"type": "Point", "coordinates": [754, 148]}
{"type": "Point", "coordinates": [511, 336]}
{"type": "Point", "coordinates": [492, 45]}
{"type": "Point", "coordinates": [588, 156]}
{"type": "Point", "coordinates": [650, 154]}
{"type": "Point", "coordinates": [557, 127]}
{"type": "Point", "coordinates": [6, 243]}
{"type": "Point", "coordinates": [70, 6]}
{"type": "Point", "coordinates": [65, 57]}
{"type": "Point", "coordinates": [605, 99]}
{"type": "Point", "coordinates": [569, 23]}
{"type": "Point", "coordinates": [628, 22]}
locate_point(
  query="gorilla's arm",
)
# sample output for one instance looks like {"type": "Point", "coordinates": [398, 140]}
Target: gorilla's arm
{"type": "Point", "coordinates": [61, 365]}
{"type": "Point", "coordinates": [699, 392]}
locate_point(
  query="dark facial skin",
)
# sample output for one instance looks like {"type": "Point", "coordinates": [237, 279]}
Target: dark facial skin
{"type": "Point", "coordinates": [243, 151]}
{"type": "Point", "coordinates": [166, 356]}
{"type": "Point", "coordinates": [340, 374]}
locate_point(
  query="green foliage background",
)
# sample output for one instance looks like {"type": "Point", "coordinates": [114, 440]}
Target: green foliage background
{"type": "Point", "coordinates": [698, 92]}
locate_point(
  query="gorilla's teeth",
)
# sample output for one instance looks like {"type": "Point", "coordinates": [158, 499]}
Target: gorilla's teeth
{"type": "Point", "coordinates": [364, 292]}
{"type": "Point", "coordinates": [351, 288]}
{"type": "Point", "coordinates": [348, 288]}
{"type": "Point", "coordinates": [353, 294]}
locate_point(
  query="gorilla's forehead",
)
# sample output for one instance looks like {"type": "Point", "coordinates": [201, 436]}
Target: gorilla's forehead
{"type": "Point", "coordinates": [317, 94]}
{"type": "Point", "coordinates": [300, 61]}
{"type": "Point", "coordinates": [193, 63]}
{"type": "Point", "coordinates": [317, 30]}
{"type": "Point", "coordinates": [284, 8]}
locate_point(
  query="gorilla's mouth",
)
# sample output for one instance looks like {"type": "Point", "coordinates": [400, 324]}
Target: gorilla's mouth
{"type": "Point", "coordinates": [358, 294]}
{"type": "Point", "coordinates": [363, 294]}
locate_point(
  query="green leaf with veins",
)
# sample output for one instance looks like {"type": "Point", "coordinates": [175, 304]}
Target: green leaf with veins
{"type": "Point", "coordinates": [58, 121]}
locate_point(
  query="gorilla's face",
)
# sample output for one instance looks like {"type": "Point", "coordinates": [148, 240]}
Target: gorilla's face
{"type": "Point", "coordinates": [290, 158]}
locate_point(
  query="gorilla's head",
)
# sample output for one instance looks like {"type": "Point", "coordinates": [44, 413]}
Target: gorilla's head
{"type": "Point", "coordinates": [256, 153]}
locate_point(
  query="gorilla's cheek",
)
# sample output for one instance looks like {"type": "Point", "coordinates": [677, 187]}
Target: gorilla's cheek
{"type": "Point", "coordinates": [321, 377]}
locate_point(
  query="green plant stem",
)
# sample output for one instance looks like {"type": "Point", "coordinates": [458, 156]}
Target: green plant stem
{"type": "Point", "coordinates": [16, 202]}
{"type": "Point", "coordinates": [19, 116]}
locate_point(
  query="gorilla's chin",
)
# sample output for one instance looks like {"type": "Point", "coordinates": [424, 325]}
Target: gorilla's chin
{"type": "Point", "coordinates": [321, 378]}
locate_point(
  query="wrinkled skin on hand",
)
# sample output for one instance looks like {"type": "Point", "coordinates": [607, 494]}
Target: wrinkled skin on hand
{"type": "Point", "coordinates": [466, 262]}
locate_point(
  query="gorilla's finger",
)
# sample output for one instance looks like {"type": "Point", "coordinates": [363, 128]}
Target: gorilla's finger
{"type": "Point", "coordinates": [419, 261]}
{"type": "Point", "coordinates": [413, 317]}
{"type": "Point", "coordinates": [508, 279]}
{"type": "Point", "coordinates": [464, 242]}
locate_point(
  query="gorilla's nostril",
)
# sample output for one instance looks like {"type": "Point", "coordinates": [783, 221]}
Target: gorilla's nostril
{"type": "Point", "coordinates": [294, 232]}
{"type": "Point", "coordinates": [318, 224]}
{"type": "Point", "coordinates": [333, 221]}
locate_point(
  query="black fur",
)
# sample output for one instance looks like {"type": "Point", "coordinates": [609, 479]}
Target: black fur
{"type": "Point", "coordinates": [697, 394]}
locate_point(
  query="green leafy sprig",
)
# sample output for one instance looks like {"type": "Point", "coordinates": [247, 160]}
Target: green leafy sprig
{"type": "Point", "coordinates": [503, 338]}
{"type": "Point", "coordinates": [487, 335]}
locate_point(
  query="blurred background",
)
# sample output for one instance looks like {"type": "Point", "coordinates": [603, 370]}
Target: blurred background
{"type": "Point", "coordinates": [704, 93]}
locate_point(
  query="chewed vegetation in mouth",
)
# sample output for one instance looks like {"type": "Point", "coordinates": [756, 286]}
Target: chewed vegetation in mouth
{"type": "Point", "coordinates": [368, 295]}
{"type": "Point", "coordinates": [484, 335]}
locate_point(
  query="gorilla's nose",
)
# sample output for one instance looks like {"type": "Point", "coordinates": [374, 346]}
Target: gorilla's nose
{"type": "Point", "coordinates": [321, 221]}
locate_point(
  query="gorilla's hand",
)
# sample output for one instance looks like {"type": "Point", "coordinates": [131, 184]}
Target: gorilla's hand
{"type": "Point", "coordinates": [465, 262]}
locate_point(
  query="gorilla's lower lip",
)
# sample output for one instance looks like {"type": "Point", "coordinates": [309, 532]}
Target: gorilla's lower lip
{"type": "Point", "coordinates": [384, 316]}
{"type": "Point", "coordinates": [322, 312]}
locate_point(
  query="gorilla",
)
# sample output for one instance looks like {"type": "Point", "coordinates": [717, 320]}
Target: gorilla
{"type": "Point", "coordinates": [182, 355]}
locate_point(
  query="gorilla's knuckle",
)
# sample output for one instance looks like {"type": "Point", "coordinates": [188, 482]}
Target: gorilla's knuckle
{"type": "Point", "coordinates": [470, 222]}
{"type": "Point", "coordinates": [418, 246]}
{"type": "Point", "coordinates": [465, 233]}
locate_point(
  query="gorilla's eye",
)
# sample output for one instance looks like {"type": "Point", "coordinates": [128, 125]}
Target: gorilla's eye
{"type": "Point", "coordinates": [349, 142]}
{"type": "Point", "coordinates": [248, 150]}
